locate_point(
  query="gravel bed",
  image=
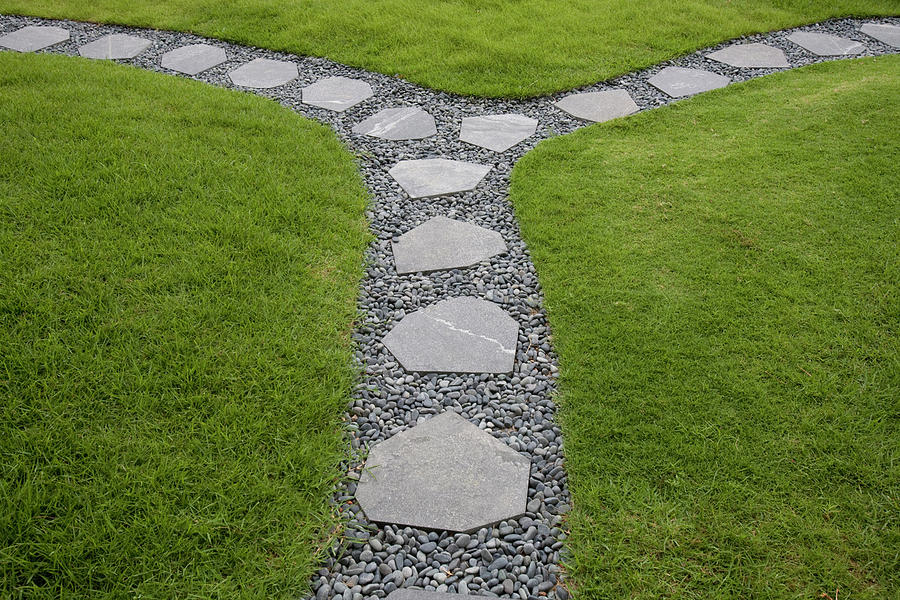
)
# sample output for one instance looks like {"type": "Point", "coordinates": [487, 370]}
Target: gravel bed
{"type": "Point", "coordinates": [515, 558]}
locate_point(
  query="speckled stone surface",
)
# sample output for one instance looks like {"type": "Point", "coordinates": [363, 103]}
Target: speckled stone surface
{"type": "Point", "coordinates": [457, 335]}
{"type": "Point", "coordinates": [497, 132]}
{"type": "Point", "coordinates": [883, 32]}
{"type": "Point", "coordinates": [442, 243]}
{"type": "Point", "coordinates": [33, 38]}
{"type": "Point", "coordinates": [824, 44]}
{"type": "Point", "coordinates": [751, 56]}
{"type": "Point", "coordinates": [193, 58]}
{"type": "Point", "coordinates": [337, 93]}
{"type": "Point", "coordinates": [597, 107]}
{"type": "Point", "coordinates": [403, 123]}
{"type": "Point", "coordinates": [115, 46]}
{"type": "Point", "coordinates": [679, 82]}
{"type": "Point", "coordinates": [424, 178]}
{"type": "Point", "coordinates": [443, 474]}
{"type": "Point", "coordinates": [264, 73]}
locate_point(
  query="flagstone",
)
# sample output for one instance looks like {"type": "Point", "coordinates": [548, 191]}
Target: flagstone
{"type": "Point", "coordinates": [883, 32]}
{"type": "Point", "coordinates": [428, 177]}
{"type": "Point", "coordinates": [758, 56]}
{"type": "Point", "coordinates": [337, 93]}
{"type": "Point", "coordinates": [824, 44]}
{"type": "Point", "coordinates": [264, 73]}
{"type": "Point", "coordinates": [598, 106]}
{"type": "Point", "coordinates": [442, 243]}
{"type": "Point", "coordinates": [497, 132]}
{"type": "Point", "coordinates": [33, 38]}
{"type": "Point", "coordinates": [404, 123]}
{"type": "Point", "coordinates": [679, 81]}
{"type": "Point", "coordinates": [116, 46]}
{"type": "Point", "coordinates": [193, 59]}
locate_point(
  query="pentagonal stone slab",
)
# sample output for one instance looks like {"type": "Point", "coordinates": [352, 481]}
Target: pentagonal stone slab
{"type": "Point", "coordinates": [264, 73]}
{"type": "Point", "coordinates": [497, 132]}
{"type": "Point", "coordinates": [33, 38]}
{"type": "Point", "coordinates": [405, 123]}
{"type": "Point", "coordinates": [679, 82]}
{"type": "Point", "coordinates": [337, 93]}
{"type": "Point", "coordinates": [443, 243]}
{"type": "Point", "coordinates": [437, 176]}
{"type": "Point", "coordinates": [598, 106]}
{"type": "Point", "coordinates": [115, 46]}
{"type": "Point", "coordinates": [193, 59]}
{"type": "Point", "coordinates": [459, 335]}
{"type": "Point", "coordinates": [884, 33]}
{"type": "Point", "coordinates": [750, 56]}
{"type": "Point", "coordinates": [824, 44]}
{"type": "Point", "coordinates": [445, 474]}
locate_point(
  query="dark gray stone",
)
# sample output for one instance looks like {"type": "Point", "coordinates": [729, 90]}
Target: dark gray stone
{"type": "Point", "coordinates": [457, 335]}
{"type": "Point", "coordinates": [193, 59]}
{"type": "Point", "coordinates": [679, 82]}
{"type": "Point", "coordinates": [337, 93]}
{"type": "Point", "coordinates": [883, 32]}
{"type": "Point", "coordinates": [429, 177]}
{"type": "Point", "coordinates": [445, 474]}
{"type": "Point", "coordinates": [825, 44]}
{"type": "Point", "coordinates": [442, 243]}
{"type": "Point", "coordinates": [264, 73]}
{"type": "Point", "coordinates": [749, 56]}
{"type": "Point", "coordinates": [33, 38]}
{"type": "Point", "coordinates": [405, 123]}
{"type": "Point", "coordinates": [497, 132]}
{"type": "Point", "coordinates": [598, 106]}
{"type": "Point", "coordinates": [116, 46]}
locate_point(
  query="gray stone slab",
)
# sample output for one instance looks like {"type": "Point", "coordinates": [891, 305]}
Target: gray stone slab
{"type": "Point", "coordinates": [679, 81]}
{"type": "Point", "coordinates": [409, 594]}
{"type": "Point", "coordinates": [33, 38]}
{"type": "Point", "coordinates": [264, 73]}
{"type": "Point", "coordinates": [497, 132]}
{"type": "Point", "coordinates": [750, 56]}
{"type": "Point", "coordinates": [442, 243]}
{"type": "Point", "coordinates": [193, 59]}
{"type": "Point", "coordinates": [883, 32]}
{"type": "Point", "coordinates": [445, 474]}
{"type": "Point", "coordinates": [457, 335]}
{"type": "Point", "coordinates": [337, 93]}
{"type": "Point", "coordinates": [116, 46]}
{"type": "Point", "coordinates": [598, 106]}
{"type": "Point", "coordinates": [404, 123]}
{"type": "Point", "coordinates": [429, 177]}
{"type": "Point", "coordinates": [824, 44]}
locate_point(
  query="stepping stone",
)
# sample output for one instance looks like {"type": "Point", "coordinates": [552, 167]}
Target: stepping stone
{"type": "Point", "coordinates": [443, 243]}
{"type": "Point", "coordinates": [337, 93]}
{"type": "Point", "coordinates": [264, 73]}
{"type": "Point", "coordinates": [115, 46]}
{"type": "Point", "coordinates": [458, 335]}
{"type": "Point", "coordinates": [410, 594]}
{"type": "Point", "coordinates": [679, 82]}
{"type": "Point", "coordinates": [824, 44]}
{"type": "Point", "coordinates": [429, 177]}
{"type": "Point", "coordinates": [33, 38]}
{"type": "Point", "coordinates": [444, 474]}
{"type": "Point", "coordinates": [598, 106]}
{"type": "Point", "coordinates": [406, 123]}
{"type": "Point", "coordinates": [751, 56]}
{"type": "Point", "coordinates": [193, 59]}
{"type": "Point", "coordinates": [497, 132]}
{"type": "Point", "coordinates": [884, 33]}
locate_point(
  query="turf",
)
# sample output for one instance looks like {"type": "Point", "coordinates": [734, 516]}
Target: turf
{"type": "Point", "coordinates": [484, 47]}
{"type": "Point", "coordinates": [178, 273]}
{"type": "Point", "coordinates": [723, 282]}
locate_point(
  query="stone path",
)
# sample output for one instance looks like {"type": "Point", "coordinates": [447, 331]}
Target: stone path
{"type": "Point", "coordinates": [463, 490]}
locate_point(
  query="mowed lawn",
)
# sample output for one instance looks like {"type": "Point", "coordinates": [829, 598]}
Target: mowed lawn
{"type": "Point", "coordinates": [723, 282]}
{"type": "Point", "coordinates": [479, 47]}
{"type": "Point", "coordinates": [178, 273]}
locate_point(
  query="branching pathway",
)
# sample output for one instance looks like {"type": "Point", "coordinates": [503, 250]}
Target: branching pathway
{"type": "Point", "coordinates": [470, 501]}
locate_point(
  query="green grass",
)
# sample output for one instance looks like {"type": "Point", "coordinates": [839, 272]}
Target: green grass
{"type": "Point", "coordinates": [723, 281]}
{"type": "Point", "coordinates": [480, 47]}
{"type": "Point", "coordinates": [178, 273]}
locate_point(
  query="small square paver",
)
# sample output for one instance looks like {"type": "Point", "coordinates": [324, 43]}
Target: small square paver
{"type": "Point", "coordinates": [116, 46]}
{"type": "Point", "coordinates": [825, 44]}
{"type": "Point", "coordinates": [193, 59]}
{"type": "Point", "coordinates": [337, 93]}
{"type": "Point", "coordinates": [264, 73]}
{"type": "Point", "coordinates": [679, 82]}
{"type": "Point", "coordinates": [497, 132]}
{"type": "Point", "coordinates": [751, 56]}
{"type": "Point", "coordinates": [883, 32]}
{"type": "Point", "coordinates": [598, 106]}
{"type": "Point", "coordinates": [33, 38]}
{"type": "Point", "coordinates": [429, 177]}
{"type": "Point", "coordinates": [404, 123]}
{"type": "Point", "coordinates": [442, 243]}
